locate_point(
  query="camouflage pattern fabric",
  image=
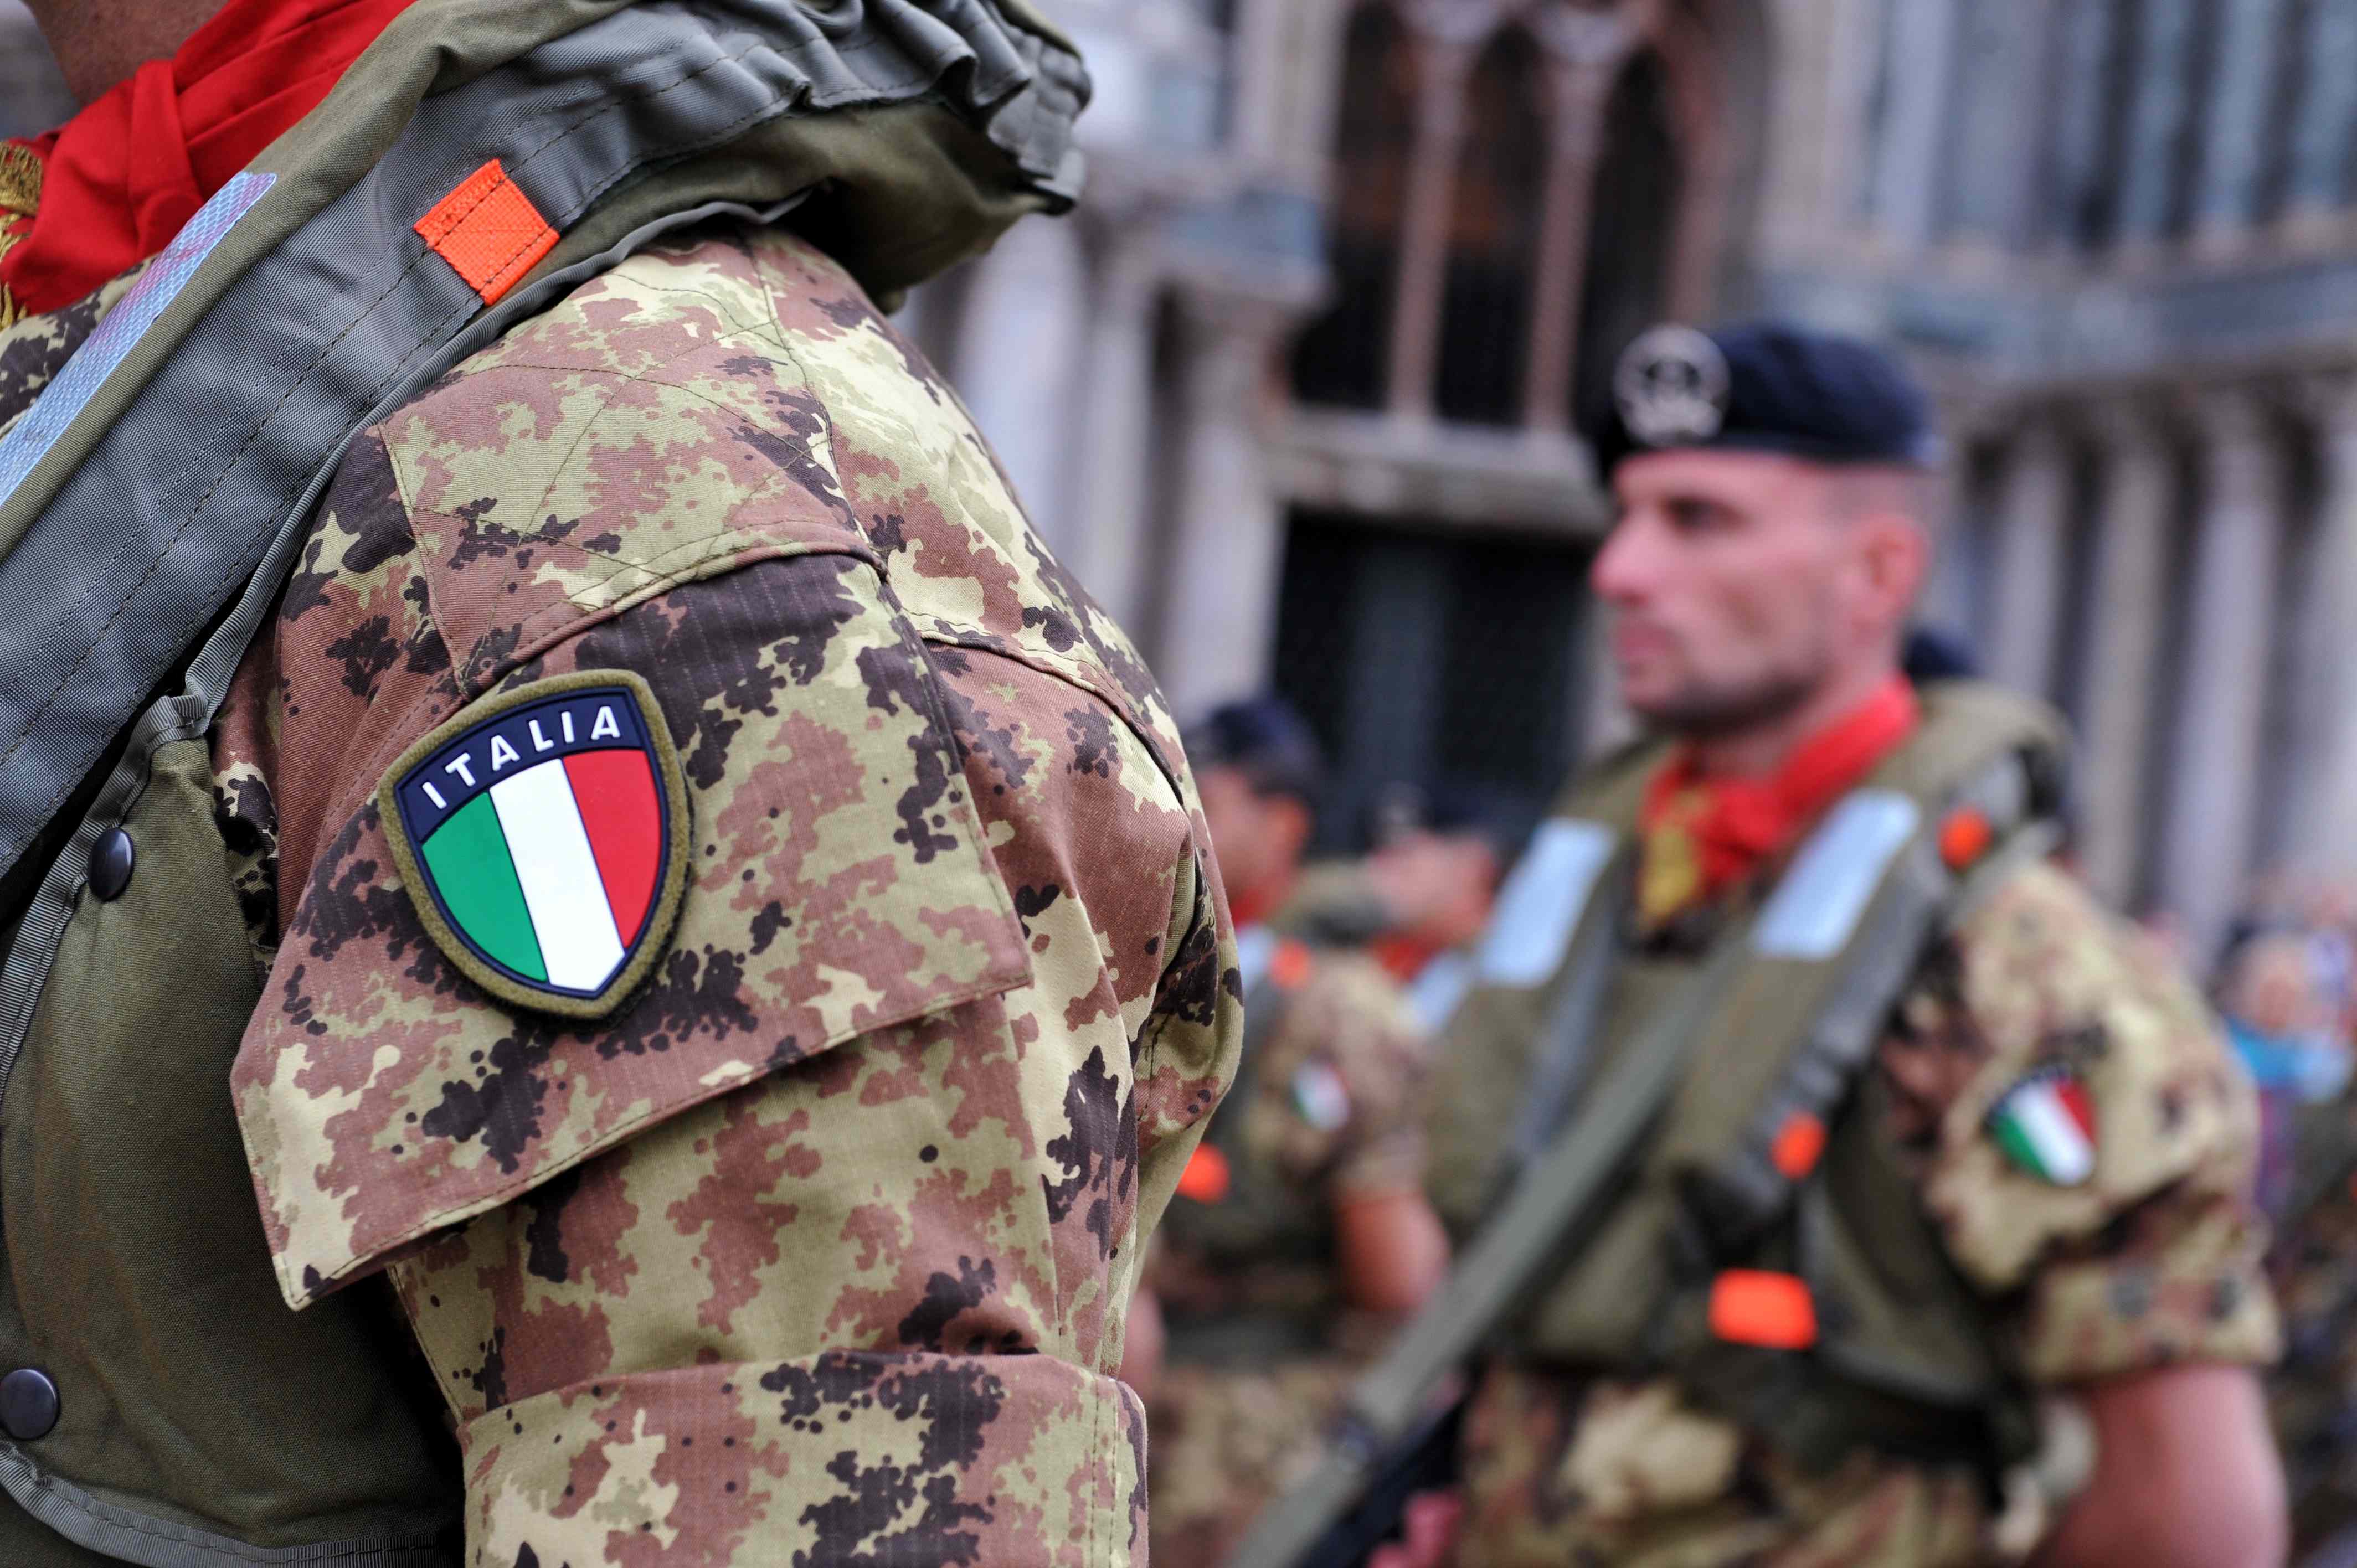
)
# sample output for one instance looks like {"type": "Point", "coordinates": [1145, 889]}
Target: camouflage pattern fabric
{"type": "Point", "coordinates": [33, 350]}
{"type": "Point", "coordinates": [2155, 1258]}
{"type": "Point", "coordinates": [1335, 1112]}
{"type": "Point", "coordinates": [819, 1248]}
{"type": "Point", "coordinates": [1228, 1441]}
{"type": "Point", "coordinates": [2313, 1267]}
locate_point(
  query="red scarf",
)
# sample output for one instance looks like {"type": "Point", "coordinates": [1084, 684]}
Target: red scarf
{"type": "Point", "coordinates": [1703, 836]}
{"type": "Point", "coordinates": [118, 179]}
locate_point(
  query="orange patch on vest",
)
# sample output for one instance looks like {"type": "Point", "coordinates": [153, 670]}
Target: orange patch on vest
{"type": "Point", "coordinates": [488, 230]}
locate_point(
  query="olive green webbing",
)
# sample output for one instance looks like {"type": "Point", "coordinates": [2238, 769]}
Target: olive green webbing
{"type": "Point", "coordinates": [1570, 1035]}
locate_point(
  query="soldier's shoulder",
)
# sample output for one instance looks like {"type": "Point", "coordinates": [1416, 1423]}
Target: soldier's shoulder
{"type": "Point", "coordinates": [1350, 976]}
{"type": "Point", "coordinates": [2100, 1079]}
{"type": "Point", "coordinates": [652, 414]}
{"type": "Point", "coordinates": [1351, 1005]}
{"type": "Point", "coordinates": [922, 480]}
{"type": "Point", "coordinates": [2040, 939]}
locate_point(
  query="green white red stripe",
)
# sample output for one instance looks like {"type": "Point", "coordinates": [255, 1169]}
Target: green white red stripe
{"type": "Point", "coordinates": [2046, 1124]}
{"type": "Point", "coordinates": [552, 870]}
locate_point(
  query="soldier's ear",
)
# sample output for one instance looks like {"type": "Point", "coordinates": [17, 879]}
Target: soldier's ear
{"type": "Point", "coordinates": [1894, 561]}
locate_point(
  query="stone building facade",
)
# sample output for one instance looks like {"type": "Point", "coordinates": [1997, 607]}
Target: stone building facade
{"type": "Point", "coordinates": [1298, 391]}
{"type": "Point", "coordinates": [2122, 237]}
{"type": "Point", "coordinates": [1307, 411]}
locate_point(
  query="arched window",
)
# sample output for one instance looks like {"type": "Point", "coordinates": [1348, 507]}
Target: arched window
{"type": "Point", "coordinates": [1341, 359]}
{"type": "Point", "coordinates": [1493, 236]}
{"type": "Point", "coordinates": [1632, 234]}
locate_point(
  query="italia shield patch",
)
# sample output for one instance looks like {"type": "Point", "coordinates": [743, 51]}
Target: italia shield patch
{"type": "Point", "coordinates": [543, 837]}
{"type": "Point", "coordinates": [2046, 1124]}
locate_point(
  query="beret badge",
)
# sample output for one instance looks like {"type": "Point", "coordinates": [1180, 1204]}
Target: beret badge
{"type": "Point", "coordinates": [1672, 387]}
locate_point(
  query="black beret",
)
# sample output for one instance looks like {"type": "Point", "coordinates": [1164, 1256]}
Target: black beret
{"type": "Point", "coordinates": [1766, 387]}
{"type": "Point", "coordinates": [1264, 739]}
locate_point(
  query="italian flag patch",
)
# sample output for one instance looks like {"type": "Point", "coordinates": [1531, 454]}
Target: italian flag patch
{"type": "Point", "coordinates": [541, 839]}
{"type": "Point", "coordinates": [2046, 1124]}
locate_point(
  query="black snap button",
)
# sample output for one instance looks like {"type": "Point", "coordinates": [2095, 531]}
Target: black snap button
{"type": "Point", "coordinates": [110, 864]}
{"type": "Point", "coordinates": [28, 1404]}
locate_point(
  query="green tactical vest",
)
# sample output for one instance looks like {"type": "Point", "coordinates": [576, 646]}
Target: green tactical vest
{"type": "Point", "coordinates": [159, 1402]}
{"type": "Point", "coordinates": [1901, 1359]}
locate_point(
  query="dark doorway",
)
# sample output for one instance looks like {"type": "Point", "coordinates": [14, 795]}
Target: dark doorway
{"type": "Point", "coordinates": [1493, 236]}
{"type": "Point", "coordinates": [1342, 359]}
{"type": "Point", "coordinates": [1444, 660]}
{"type": "Point", "coordinates": [1634, 229]}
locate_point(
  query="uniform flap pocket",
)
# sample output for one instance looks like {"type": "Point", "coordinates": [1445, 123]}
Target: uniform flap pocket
{"type": "Point", "coordinates": [836, 884]}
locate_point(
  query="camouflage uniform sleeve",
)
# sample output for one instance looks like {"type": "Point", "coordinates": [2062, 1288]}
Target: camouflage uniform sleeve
{"type": "Point", "coordinates": [819, 1246]}
{"type": "Point", "coordinates": [2131, 1245]}
{"type": "Point", "coordinates": [1358, 1030]}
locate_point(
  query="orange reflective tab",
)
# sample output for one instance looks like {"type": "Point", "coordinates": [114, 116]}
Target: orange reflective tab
{"type": "Point", "coordinates": [1964, 837]}
{"type": "Point", "coordinates": [488, 230]}
{"type": "Point", "coordinates": [1751, 1306]}
{"type": "Point", "coordinates": [1290, 968]}
{"type": "Point", "coordinates": [1206, 1177]}
{"type": "Point", "coordinates": [1798, 1142]}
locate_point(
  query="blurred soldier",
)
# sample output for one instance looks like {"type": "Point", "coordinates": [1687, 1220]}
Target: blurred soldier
{"type": "Point", "coordinates": [2283, 990]}
{"type": "Point", "coordinates": [1876, 1170]}
{"type": "Point", "coordinates": [608, 964]}
{"type": "Point", "coordinates": [1300, 1233]}
{"type": "Point", "coordinates": [1418, 900]}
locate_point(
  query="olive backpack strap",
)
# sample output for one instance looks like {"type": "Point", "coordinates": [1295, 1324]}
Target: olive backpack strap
{"type": "Point", "coordinates": [1998, 822]}
{"type": "Point", "coordinates": [1573, 1016]}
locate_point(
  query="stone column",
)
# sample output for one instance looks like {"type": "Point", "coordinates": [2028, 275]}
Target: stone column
{"type": "Point", "coordinates": [1851, 28]}
{"type": "Point", "coordinates": [1218, 614]}
{"type": "Point", "coordinates": [2086, 42]}
{"type": "Point", "coordinates": [1112, 516]}
{"type": "Point", "coordinates": [2325, 718]}
{"type": "Point", "coordinates": [2328, 107]}
{"type": "Point", "coordinates": [2004, 48]}
{"type": "Point", "coordinates": [2026, 559]}
{"type": "Point", "coordinates": [1444, 44]}
{"type": "Point", "coordinates": [2236, 148]}
{"type": "Point", "coordinates": [1018, 362]}
{"type": "Point", "coordinates": [2160, 104]}
{"type": "Point", "coordinates": [1587, 50]}
{"type": "Point", "coordinates": [2124, 642]}
{"type": "Point", "coordinates": [2206, 862]}
{"type": "Point", "coordinates": [1918, 68]}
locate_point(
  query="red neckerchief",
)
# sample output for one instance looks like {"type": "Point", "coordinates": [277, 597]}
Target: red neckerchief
{"type": "Point", "coordinates": [1255, 906]}
{"type": "Point", "coordinates": [1403, 957]}
{"type": "Point", "coordinates": [121, 177]}
{"type": "Point", "coordinates": [1702, 836]}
